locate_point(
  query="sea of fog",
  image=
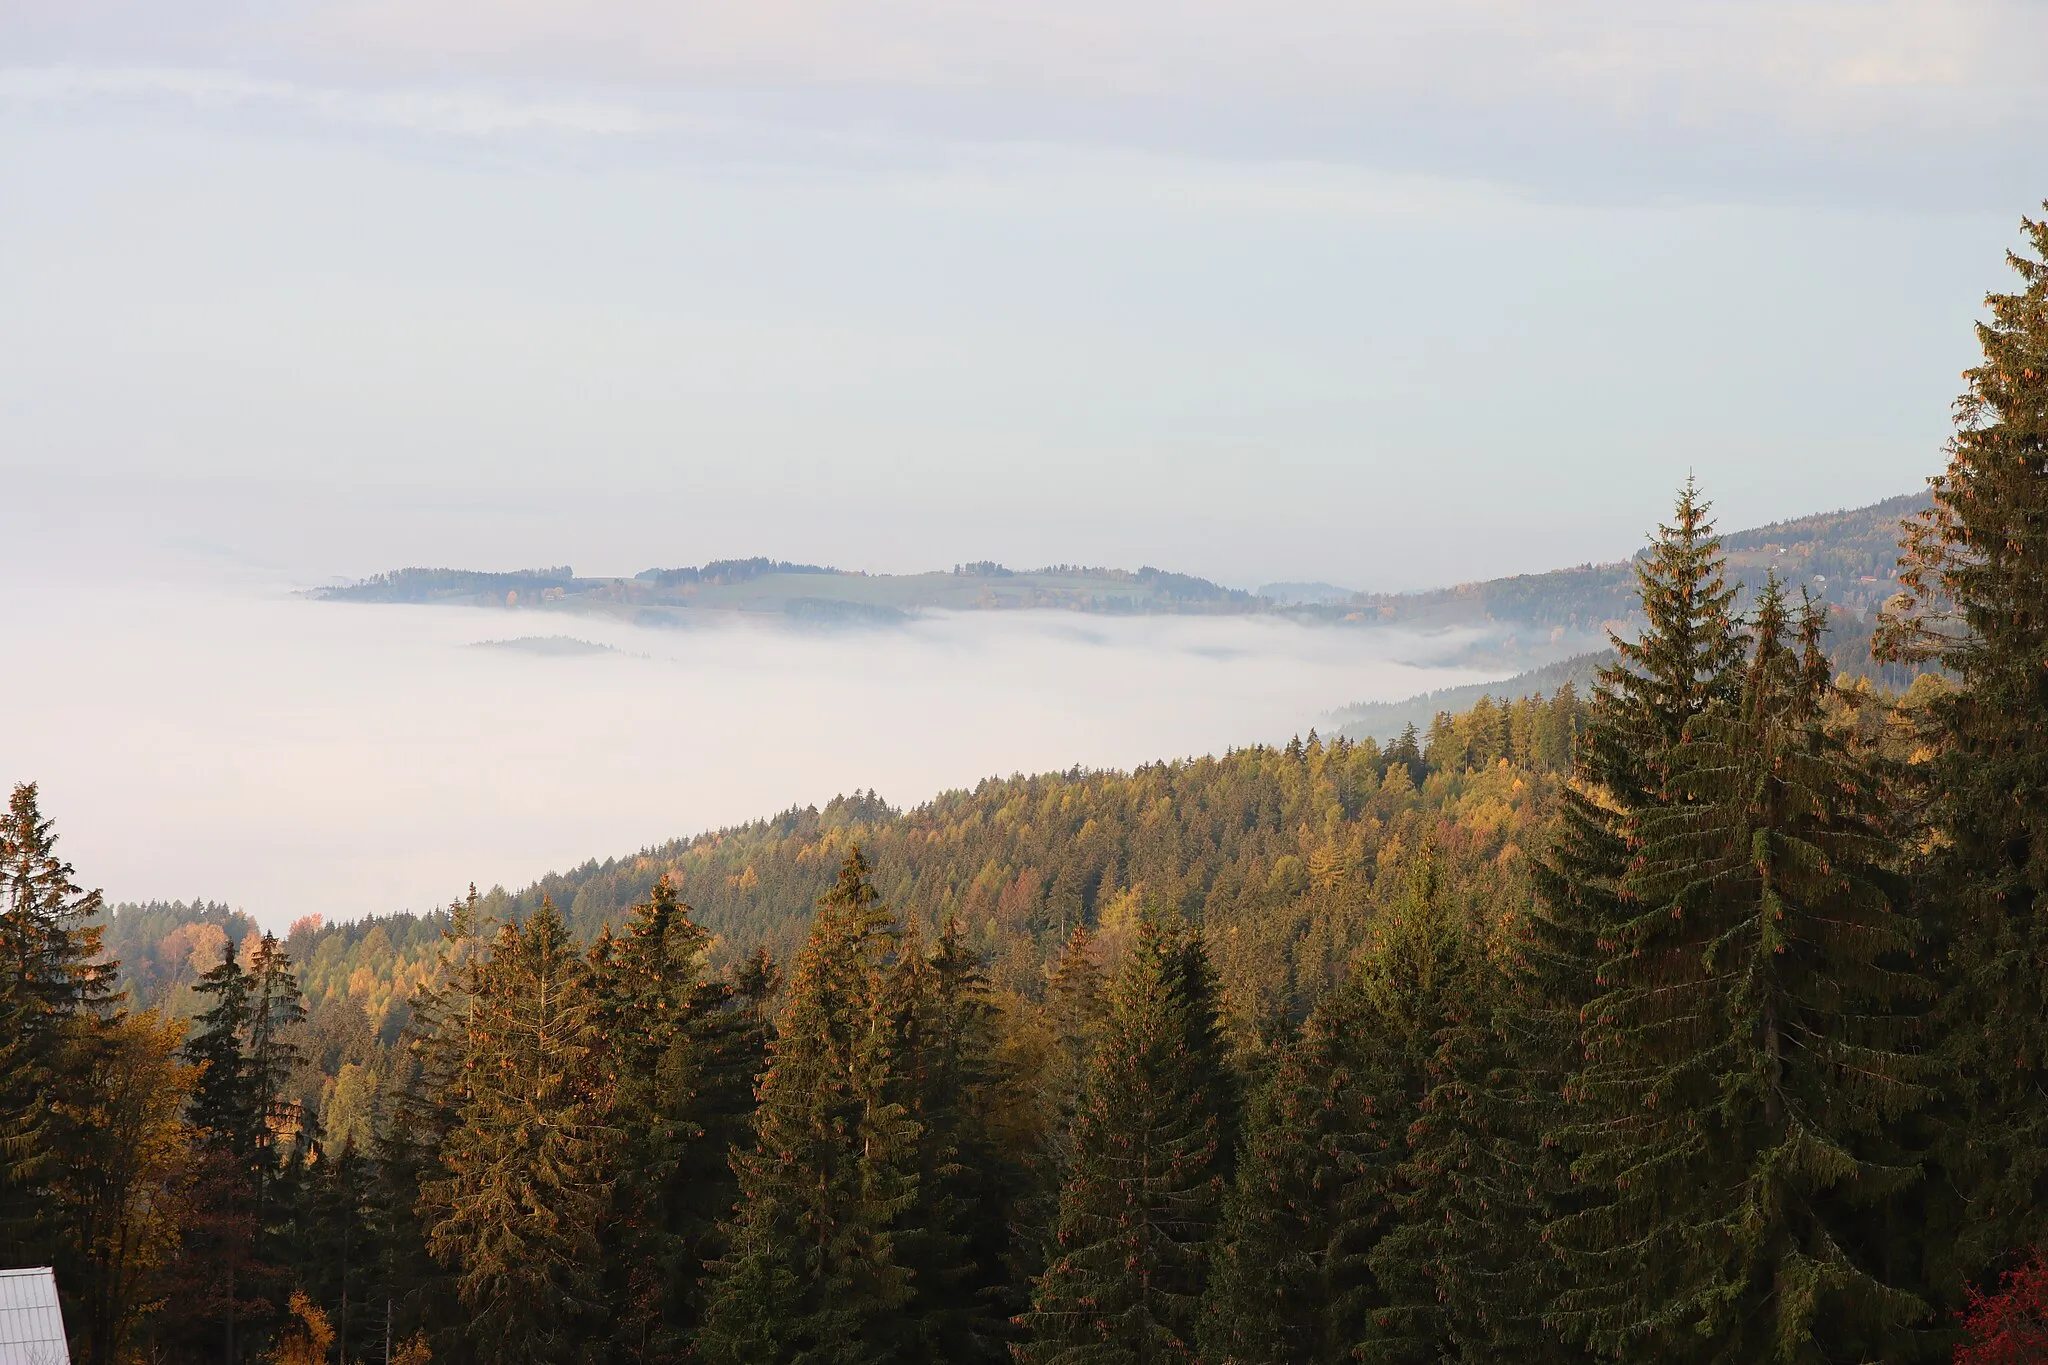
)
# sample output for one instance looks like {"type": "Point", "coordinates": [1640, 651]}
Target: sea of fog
{"type": "Point", "coordinates": [218, 736]}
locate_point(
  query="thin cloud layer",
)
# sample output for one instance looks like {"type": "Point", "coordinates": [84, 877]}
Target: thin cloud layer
{"type": "Point", "coordinates": [1806, 100]}
{"type": "Point", "coordinates": [451, 113]}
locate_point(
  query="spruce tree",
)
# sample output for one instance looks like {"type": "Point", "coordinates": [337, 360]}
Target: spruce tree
{"type": "Point", "coordinates": [1975, 575]}
{"type": "Point", "coordinates": [49, 944]}
{"type": "Point", "coordinates": [956, 1240]}
{"type": "Point", "coordinates": [1291, 1284]}
{"type": "Point", "coordinates": [812, 1273]}
{"type": "Point", "coordinates": [1684, 659]}
{"type": "Point", "coordinates": [1461, 1273]}
{"type": "Point", "coordinates": [1141, 1203]}
{"type": "Point", "coordinates": [736, 1025]}
{"type": "Point", "coordinates": [25, 1157]}
{"type": "Point", "coordinates": [276, 1012]}
{"type": "Point", "coordinates": [656, 1013]}
{"type": "Point", "coordinates": [55, 993]}
{"type": "Point", "coordinates": [1748, 1053]}
{"type": "Point", "coordinates": [409, 1290]}
{"type": "Point", "coordinates": [1384, 1210]}
{"type": "Point", "coordinates": [1074, 1010]}
{"type": "Point", "coordinates": [225, 1105]}
{"type": "Point", "coordinates": [219, 1300]}
{"type": "Point", "coordinates": [524, 1174]}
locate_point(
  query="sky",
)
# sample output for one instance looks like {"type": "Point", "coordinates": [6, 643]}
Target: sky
{"type": "Point", "coordinates": [1384, 294]}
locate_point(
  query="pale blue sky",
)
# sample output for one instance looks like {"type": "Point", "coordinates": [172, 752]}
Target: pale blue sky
{"type": "Point", "coordinates": [1388, 294]}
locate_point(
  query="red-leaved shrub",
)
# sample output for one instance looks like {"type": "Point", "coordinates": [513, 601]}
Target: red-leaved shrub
{"type": "Point", "coordinates": [2011, 1326]}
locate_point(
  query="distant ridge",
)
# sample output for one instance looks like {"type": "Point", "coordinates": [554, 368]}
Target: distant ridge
{"type": "Point", "coordinates": [1524, 625]}
{"type": "Point", "coordinates": [1846, 558]}
{"type": "Point", "coordinates": [810, 594]}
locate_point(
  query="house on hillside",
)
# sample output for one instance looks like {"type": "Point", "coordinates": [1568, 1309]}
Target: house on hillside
{"type": "Point", "coordinates": [31, 1323]}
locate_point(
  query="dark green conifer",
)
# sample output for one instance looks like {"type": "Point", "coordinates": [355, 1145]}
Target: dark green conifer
{"type": "Point", "coordinates": [1748, 1051]}
{"type": "Point", "coordinates": [1461, 1274]}
{"type": "Point", "coordinates": [652, 1013]}
{"type": "Point", "coordinates": [956, 1241]}
{"type": "Point", "coordinates": [24, 1122]}
{"type": "Point", "coordinates": [812, 1273]}
{"type": "Point", "coordinates": [219, 1300]}
{"type": "Point", "coordinates": [1291, 1284]}
{"type": "Point", "coordinates": [55, 990]}
{"type": "Point", "coordinates": [1140, 1205]}
{"type": "Point", "coordinates": [736, 1025]}
{"type": "Point", "coordinates": [1975, 574]}
{"type": "Point", "coordinates": [276, 1012]}
{"type": "Point", "coordinates": [225, 1107]}
{"type": "Point", "coordinates": [410, 1291]}
{"type": "Point", "coordinates": [1074, 1010]}
{"type": "Point", "coordinates": [524, 1176]}
{"type": "Point", "coordinates": [1685, 659]}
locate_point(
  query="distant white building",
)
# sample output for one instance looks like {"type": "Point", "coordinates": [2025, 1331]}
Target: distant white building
{"type": "Point", "coordinates": [31, 1323]}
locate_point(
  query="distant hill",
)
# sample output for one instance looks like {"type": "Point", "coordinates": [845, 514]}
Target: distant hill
{"type": "Point", "coordinates": [1529, 623]}
{"type": "Point", "coordinates": [1848, 559]}
{"type": "Point", "coordinates": [807, 592]}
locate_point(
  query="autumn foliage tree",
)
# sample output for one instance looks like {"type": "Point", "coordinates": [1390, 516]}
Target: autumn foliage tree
{"type": "Point", "coordinates": [2009, 1327]}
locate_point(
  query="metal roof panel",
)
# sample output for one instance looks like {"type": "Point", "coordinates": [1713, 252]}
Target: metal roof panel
{"type": "Point", "coordinates": [31, 1322]}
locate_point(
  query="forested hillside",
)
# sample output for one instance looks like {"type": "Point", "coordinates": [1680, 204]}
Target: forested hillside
{"type": "Point", "coordinates": [1278, 850]}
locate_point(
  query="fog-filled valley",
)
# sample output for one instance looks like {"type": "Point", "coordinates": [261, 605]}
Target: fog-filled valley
{"type": "Point", "coordinates": [211, 734]}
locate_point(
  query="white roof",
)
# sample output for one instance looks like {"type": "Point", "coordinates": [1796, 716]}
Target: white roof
{"type": "Point", "coordinates": [31, 1323]}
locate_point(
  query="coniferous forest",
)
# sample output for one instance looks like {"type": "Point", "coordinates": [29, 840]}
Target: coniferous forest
{"type": "Point", "coordinates": [1703, 1017]}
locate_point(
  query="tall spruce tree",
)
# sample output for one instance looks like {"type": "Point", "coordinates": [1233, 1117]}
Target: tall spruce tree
{"type": "Point", "coordinates": [956, 1240]}
{"type": "Point", "coordinates": [660, 1018]}
{"type": "Point", "coordinates": [276, 1012]}
{"type": "Point", "coordinates": [25, 1156]}
{"type": "Point", "coordinates": [1975, 601]}
{"type": "Point", "coordinates": [55, 995]}
{"type": "Point", "coordinates": [409, 1291]}
{"type": "Point", "coordinates": [219, 1304]}
{"type": "Point", "coordinates": [1462, 1274]}
{"type": "Point", "coordinates": [1074, 1013]}
{"type": "Point", "coordinates": [1151, 1141]}
{"type": "Point", "coordinates": [812, 1272]}
{"type": "Point", "coordinates": [736, 1024]}
{"type": "Point", "coordinates": [1749, 1049]}
{"type": "Point", "coordinates": [524, 1176]}
{"type": "Point", "coordinates": [1290, 1282]}
{"type": "Point", "coordinates": [1685, 659]}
